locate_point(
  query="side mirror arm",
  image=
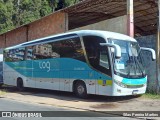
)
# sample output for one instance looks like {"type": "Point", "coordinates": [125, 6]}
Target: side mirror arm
{"type": "Point", "coordinates": [150, 50]}
{"type": "Point", "coordinates": [115, 46]}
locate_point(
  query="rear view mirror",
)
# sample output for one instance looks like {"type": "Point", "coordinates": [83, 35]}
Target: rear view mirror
{"type": "Point", "coordinates": [151, 50]}
{"type": "Point", "coordinates": [115, 48]}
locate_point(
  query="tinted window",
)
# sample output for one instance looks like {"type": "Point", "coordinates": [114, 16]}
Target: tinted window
{"type": "Point", "coordinates": [28, 53]}
{"type": "Point", "coordinates": [97, 55]}
{"type": "Point", "coordinates": [104, 60]}
{"type": "Point", "coordinates": [70, 48]}
{"type": "Point", "coordinates": [42, 51]}
{"type": "Point", "coordinates": [14, 55]}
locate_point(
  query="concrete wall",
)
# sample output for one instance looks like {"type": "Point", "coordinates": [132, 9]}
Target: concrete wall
{"type": "Point", "coordinates": [150, 66]}
{"type": "Point", "coordinates": [16, 36]}
{"type": "Point", "coordinates": [52, 24]}
{"type": "Point", "coordinates": [118, 24]}
{"type": "Point", "coordinates": [2, 41]}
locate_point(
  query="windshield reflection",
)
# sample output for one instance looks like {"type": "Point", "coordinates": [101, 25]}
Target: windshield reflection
{"type": "Point", "coordinates": [130, 64]}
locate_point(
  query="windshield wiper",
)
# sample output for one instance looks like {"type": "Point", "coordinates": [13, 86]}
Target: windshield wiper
{"type": "Point", "coordinates": [130, 64]}
{"type": "Point", "coordinates": [134, 63]}
{"type": "Point", "coordinates": [138, 64]}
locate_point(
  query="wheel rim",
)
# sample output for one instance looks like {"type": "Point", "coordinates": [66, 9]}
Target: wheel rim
{"type": "Point", "coordinates": [80, 89]}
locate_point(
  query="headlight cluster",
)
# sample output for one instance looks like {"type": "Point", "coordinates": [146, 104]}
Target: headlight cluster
{"type": "Point", "coordinates": [129, 86]}
{"type": "Point", "coordinates": [120, 84]}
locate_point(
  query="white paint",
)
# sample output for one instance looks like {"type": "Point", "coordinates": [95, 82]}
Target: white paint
{"type": "Point", "coordinates": [45, 65]}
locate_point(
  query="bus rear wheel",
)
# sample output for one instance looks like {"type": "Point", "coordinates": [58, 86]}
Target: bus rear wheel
{"type": "Point", "coordinates": [80, 90]}
{"type": "Point", "coordinates": [1, 85]}
{"type": "Point", "coordinates": [20, 85]}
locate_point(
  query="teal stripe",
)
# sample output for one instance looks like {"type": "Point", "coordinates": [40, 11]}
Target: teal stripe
{"type": "Point", "coordinates": [139, 81]}
{"type": "Point", "coordinates": [56, 68]}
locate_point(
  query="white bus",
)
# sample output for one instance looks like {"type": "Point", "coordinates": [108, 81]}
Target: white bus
{"type": "Point", "coordinates": [83, 62]}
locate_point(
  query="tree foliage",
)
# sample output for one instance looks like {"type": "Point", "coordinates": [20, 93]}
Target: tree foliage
{"type": "Point", "coordinates": [14, 13]}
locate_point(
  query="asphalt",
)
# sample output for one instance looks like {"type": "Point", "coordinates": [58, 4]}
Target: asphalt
{"type": "Point", "coordinates": [100, 104]}
{"type": "Point", "coordinates": [48, 112]}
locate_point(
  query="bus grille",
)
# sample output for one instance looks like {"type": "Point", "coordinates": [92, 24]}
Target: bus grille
{"type": "Point", "coordinates": [134, 86]}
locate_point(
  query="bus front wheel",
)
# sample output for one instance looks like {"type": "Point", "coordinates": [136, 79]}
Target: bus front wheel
{"type": "Point", "coordinates": [20, 85]}
{"type": "Point", "coordinates": [80, 90]}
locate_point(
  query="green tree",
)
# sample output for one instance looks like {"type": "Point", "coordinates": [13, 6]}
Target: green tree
{"type": "Point", "coordinates": [52, 4]}
{"type": "Point", "coordinates": [70, 2]}
{"type": "Point", "coordinates": [6, 8]}
{"type": "Point", "coordinates": [14, 13]}
{"type": "Point", "coordinates": [65, 3]}
{"type": "Point", "coordinates": [29, 11]}
{"type": "Point", "coordinates": [45, 8]}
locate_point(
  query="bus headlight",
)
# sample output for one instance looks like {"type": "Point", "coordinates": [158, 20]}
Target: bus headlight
{"type": "Point", "coordinates": [120, 84]}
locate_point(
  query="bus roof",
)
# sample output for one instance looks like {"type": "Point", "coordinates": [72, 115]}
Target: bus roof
{"type": "Point", "coordinates": [104, 34]}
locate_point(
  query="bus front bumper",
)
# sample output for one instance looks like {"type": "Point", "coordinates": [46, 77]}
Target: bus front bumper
{"type": "Point", "coordinates": [120, 91]}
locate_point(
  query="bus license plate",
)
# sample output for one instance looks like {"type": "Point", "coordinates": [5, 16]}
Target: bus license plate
{"type": "Point", "coordinates": [134, 92]}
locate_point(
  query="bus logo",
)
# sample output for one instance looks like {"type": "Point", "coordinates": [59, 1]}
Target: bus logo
{"type": "Point", "coordinates": [45, 65]}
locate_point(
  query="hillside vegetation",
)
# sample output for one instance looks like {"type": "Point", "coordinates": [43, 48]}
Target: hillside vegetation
{"type": "Point", "coordinates": [14, 13]}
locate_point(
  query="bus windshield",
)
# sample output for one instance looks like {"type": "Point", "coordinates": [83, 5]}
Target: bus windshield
{"type": "Point", "coordinates": [130, 64]}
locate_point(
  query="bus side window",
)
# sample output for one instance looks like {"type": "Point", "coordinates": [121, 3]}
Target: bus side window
{"type": "Point", "coordinates": [104, 61]}
{"type": "Point", "coordinates": [15, 55]}
{"type": "Point", "coordinates": [7, 57]}
{"type": "Point", "coordinates": [28, 53]}
{"type": "Point", "coordinates": [42, 51]}
{"type": "Point", "coordinates": [97, 55]}
{"type": "Point", "coordinates": [69, 48]}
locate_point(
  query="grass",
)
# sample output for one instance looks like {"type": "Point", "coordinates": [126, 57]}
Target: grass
{"type": "Point", "coordinates": [2, 92]}
{"type": "Point", "coordinates": [152, 96]}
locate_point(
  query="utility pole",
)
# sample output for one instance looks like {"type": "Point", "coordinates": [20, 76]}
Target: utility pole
{"type": "Point", "coordinates": [130, 18]}
{"type": "Point", "coordinates": [158, 51]}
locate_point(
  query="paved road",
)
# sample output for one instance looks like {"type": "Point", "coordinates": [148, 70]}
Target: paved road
{"type": "Point", "coordinates": [12, 105]}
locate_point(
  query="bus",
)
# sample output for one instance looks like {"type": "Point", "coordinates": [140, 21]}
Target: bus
{"type": "Point", "coordinates": [84, 62]}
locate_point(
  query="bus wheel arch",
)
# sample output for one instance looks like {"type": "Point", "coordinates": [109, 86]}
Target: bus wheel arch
{"type": "Point", "coordinates": [20, 84]}
{"type": "Point", "coordinates": [80, 89]}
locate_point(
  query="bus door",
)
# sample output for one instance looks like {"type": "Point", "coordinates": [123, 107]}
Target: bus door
{"type": "Point", "coordinates": [98, 58]}
{"type": "Point", "coordinates": [103, 72]}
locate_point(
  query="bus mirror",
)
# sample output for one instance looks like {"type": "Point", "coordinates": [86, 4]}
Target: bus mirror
{"type": "Point", "coordinates": [112, 50]}
{"type": "Point", "coordinates": [150, 50]}
{"type": "Point", "coordinates": [115, 48]}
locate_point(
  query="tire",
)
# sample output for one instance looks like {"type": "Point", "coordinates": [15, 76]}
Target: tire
{"type": "Point", "coordinates": [1, 86]}
{"type": "Point", "coordinates": [20, 85]}
{"type": "Point", "coordinates": [80, 90]}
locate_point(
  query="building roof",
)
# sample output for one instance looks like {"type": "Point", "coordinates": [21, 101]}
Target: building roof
{"type": "Point", "coordinates": [92, 11]}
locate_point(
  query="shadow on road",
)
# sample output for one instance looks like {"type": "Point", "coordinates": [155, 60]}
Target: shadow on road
{"type": "Point", "coordinates": [68, 96]}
